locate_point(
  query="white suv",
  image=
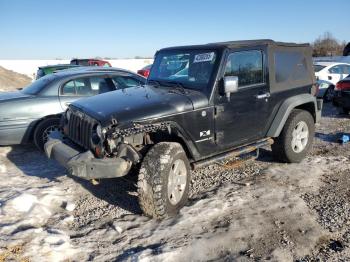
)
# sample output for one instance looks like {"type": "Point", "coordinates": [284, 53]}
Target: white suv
{"type": "Point", "coordinates": [331, 71]}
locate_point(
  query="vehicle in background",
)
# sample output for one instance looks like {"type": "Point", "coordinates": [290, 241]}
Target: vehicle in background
{"type": "Point", "coordinates": [342, 95]}
{"type": "Point", "coordinates": [325, 90]}
{"type": "Point", "coordinates": [49, 69]}
{"type": "Point", "coordinates": [202, 104]}
{"type": "Point", "coordinates": [145, 71]}
{"type": "Point", "coordinates": [31, 114]}
{"type": "Point", "coordinates": [90, 62]}
{"type": "Point", "coordinates": [331, 71]}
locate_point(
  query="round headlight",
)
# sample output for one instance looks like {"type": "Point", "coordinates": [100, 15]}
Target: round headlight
{"type": "Point", "coordinates": [68, 114]}
{"type": "Point", "coordinates": [99, 131]}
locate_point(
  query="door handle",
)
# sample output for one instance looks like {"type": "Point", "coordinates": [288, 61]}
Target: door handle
{"type": "Point", "coordinates": [329, 77]}
{"type": "Point", "coordinates": [263, 96]}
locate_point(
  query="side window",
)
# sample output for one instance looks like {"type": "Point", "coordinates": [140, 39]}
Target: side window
{"type": "Point", "coordinates": [125, 82]}
{"type": "Point", "coordinates": [247, 65]}
{"type": "Point", "coordinates": [77, 87]}
{"type": "Point", "coordinates": [99, 85]}
{"type": "Point", "coordinates": [69, 89]}
{"type": "Point", "coordinates": [335, 70]}
{"type": "Point", "coordinates": [345, 69]}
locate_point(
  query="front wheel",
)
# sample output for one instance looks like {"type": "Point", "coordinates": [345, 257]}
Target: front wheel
{"type": "Point", "coordinates": [44, 129]}
{"type": "Point", "coordinates": [164, 179]}
{"type": "Point", "coordinates": [296, 138]}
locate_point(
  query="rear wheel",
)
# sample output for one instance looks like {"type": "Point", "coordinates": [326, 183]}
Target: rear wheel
{"type": "Point", "coordinates": [164, 179]}
{"type": "Point", "coordinates": [296, 137]}
{"type": "Point", "coordinates": [44, 129]}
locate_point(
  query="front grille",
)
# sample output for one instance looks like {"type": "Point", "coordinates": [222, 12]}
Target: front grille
{"type": "Point", "coordinates": [80, 129]}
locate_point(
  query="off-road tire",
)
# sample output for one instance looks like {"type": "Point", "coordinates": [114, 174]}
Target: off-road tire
{"type": "Point", "coordinates": [282, 147]}
{"type": "Point", "coordinates": [41, 127]}
{"type": "Point", "coordinates": [153, 180]}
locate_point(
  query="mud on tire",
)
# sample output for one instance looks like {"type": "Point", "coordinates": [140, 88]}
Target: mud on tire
{"type": "Point", "coordinates": [163, 162]}
{"type": "Point", "coordinates": [283, 149]}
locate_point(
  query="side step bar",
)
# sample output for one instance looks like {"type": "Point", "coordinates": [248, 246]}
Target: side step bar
{"type": "Point", "coordinates": [234, 153]}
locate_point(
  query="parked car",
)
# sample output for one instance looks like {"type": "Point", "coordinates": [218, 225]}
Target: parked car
{"type": "Point", "coordinates": [232, 99]}
{"type": "Point", "coordinates": [342, 95]}
{"type": "Point", "coordinates": [325, 90]}
{"type": "Point", "coordinates": [331, 71]}
{"type": "Point", "coordinates": [49, 69]}
{"type": "Point", "coordinates": [31, 114]}
{"type": "Point", "coordinates": [90, 62]}
{"type": "Point", "coordinates": [145, 71]}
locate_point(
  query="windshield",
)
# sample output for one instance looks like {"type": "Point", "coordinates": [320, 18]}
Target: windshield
{"type": "Point", "coordinates": [318, 68]}
{"type": "Point", "coordinates": [190, 68]}
{"type": "Point", "coordinates": [38, 85]}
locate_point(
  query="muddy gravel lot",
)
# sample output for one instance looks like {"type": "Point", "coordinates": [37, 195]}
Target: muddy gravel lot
{"type": "Point", "coordinates": [258, 210]}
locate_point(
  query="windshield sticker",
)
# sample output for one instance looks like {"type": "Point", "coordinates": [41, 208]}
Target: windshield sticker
{"type": "Point", "coordinates": [203, 57]}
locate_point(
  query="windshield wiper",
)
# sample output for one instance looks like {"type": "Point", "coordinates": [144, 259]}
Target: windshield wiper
{"type": "Point", "coordinates": [157, 83]}
{"type": "Point", "coordinates": [179, 86]}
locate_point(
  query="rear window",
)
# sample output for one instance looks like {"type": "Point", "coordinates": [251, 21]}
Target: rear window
{"type": "Point", "coordinates": [318, 68]}
{"type": "Point", "coordinates": [38, 85]}
{"type": "Point", "coordinates": [290, 66]}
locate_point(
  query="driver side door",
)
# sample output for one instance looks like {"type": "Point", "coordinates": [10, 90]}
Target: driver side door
{"type": "Point", "coordinates": [243, 116]}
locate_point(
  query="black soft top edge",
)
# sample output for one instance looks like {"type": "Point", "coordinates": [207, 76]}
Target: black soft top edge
{"type": "Point", "coordinates": [236, 44]}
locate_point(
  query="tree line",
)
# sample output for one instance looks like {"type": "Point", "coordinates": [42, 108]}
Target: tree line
{"type": "Point", "coordinates": [327, 45]}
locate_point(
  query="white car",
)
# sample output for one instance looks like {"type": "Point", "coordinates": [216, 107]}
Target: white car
{"type": "Point", "coordinates": [331, 72]}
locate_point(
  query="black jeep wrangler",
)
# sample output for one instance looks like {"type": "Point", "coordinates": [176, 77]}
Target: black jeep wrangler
{"type": "Point", "coordinates": [201, 104]}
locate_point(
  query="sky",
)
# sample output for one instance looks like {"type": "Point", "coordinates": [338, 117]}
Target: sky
{"type": "Point", "coordinates": [49, 29]}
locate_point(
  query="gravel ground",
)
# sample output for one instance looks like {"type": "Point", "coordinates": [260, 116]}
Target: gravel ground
{"type": "Point", "coordinates": [258, 210]}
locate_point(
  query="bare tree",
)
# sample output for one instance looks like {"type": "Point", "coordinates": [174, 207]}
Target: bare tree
{"type": "Point", "coordinates": [327, 45]}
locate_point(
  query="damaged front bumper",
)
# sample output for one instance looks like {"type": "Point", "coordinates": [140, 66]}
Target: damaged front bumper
{"type": "Point", "coordinates": [85, 164]}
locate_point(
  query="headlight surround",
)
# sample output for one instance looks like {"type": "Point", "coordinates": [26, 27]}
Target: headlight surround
{"type": "Point", "coordinates": [68, 114]}
{"type": "Point", "coordinates": [99, 131]}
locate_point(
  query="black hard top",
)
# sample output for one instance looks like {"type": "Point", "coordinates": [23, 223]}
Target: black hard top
{"type": "Point", "coordinates": [237, 44]}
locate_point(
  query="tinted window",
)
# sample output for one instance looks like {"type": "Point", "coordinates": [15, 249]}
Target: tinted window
{"type": "Point", "coordinates": [125, 81]}
{"type": "Point", "coordinates": [318, 68]}
{"type": "Point", "coordinates": [247, 65]}
{"type": "Point", "coordinates": [38, 85]}
{"type": "Point", "coordinates": [290, 66]}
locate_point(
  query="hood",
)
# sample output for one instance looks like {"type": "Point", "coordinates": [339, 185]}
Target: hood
{"type": "Point", "coordinates": [10, 96]}
{"type": "Point", "coordinates": [140, 103]}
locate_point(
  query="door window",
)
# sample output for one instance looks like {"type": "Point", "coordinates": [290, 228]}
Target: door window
{"type": "Point", "coordinates": [345, 69]}
{"type": "Point", "coordinates": [335, 70]}
{"type": "Point", "coordinates": [100, 85]}
{"type": "Point", "coordinates": [247, 66]}
{"type": "Point", "coordinates": [87, 86]}
{"type": "Point", "coordinates": [125, 81]}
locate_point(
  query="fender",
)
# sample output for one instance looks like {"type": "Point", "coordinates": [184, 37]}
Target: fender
{"type": "Point", "coordinates": [286, 108]}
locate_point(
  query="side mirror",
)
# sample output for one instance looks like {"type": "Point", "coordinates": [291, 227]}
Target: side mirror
{"type": "Point", "coordinates": [230, 85]}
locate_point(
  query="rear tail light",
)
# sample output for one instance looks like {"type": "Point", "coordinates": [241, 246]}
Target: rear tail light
{"type": "Point", "coordinates": [144, 73]}
{"type": "Point", "coordinates": [342, 86]}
